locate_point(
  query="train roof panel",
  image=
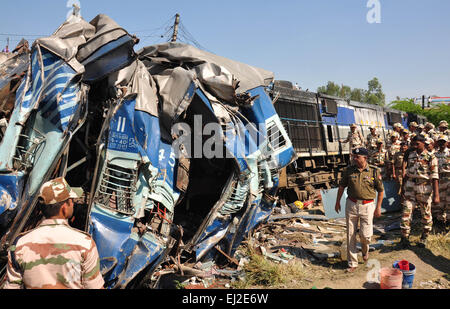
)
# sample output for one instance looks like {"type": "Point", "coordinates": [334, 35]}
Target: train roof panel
{"type": "Point", "coordinates": [366, 105]}
{"type": "Point", "coordinates": [294, 95]}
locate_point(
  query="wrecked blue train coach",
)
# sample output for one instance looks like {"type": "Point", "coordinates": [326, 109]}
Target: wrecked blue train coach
{"type": "Point", "coordinates": [178, 150]}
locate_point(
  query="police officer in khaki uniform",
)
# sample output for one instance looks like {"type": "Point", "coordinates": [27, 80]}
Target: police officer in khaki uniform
{"type": "Point", "coordinates": [364, 183]}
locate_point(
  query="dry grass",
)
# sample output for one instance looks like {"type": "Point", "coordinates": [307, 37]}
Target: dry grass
{"type": "Point", "coordinates": [439, 244]}
{"type": "Point", "coordinates": [261, 272]}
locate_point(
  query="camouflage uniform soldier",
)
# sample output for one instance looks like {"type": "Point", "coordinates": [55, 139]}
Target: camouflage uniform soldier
{"type": "Point", "coordinates": [379, 158]}
{"type": "Point", "coordinates": [391, 151]}
{"type": "Point", "coordinates": [429, 144]}
{"type": "Point", "coordinates": [420, 188]}
{"type": "Point", "coordinates": [354, 138]}
{"type": "Point", "coordinates": [413, 129]}
{"type": "Point", "coordinates": [441, 212]}
{"type": "Point", "coordinates": [397, 167]}
{"type": "Point", "coordinates": [398, 127]}
{"type": "Point", "coordinates": [443, 128]}
{"type": "Point", "coordinates": [372, 138]}
{"type": "Point", "coordinates": [54, 255]}
{"type": "Point", "coordinates": [405, 137]}
{"type": "Point", "coordinates": [429, 129]}
{"type": "Point", "coordinates": [421, 131]}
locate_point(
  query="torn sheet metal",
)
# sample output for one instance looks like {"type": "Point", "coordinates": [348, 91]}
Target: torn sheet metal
{"type": "Point", "coordinates": [137, 174]}
{"type": "Point", "coordinates": [259, 206]}
{"type": "Point", "coordinates": [11, 187]}
{"type": "Point", "coordinates": [139, 191]}
{"type": "Point", "coordinates": [12, 67]}
{"type": "Point", "coordinates": [50, 103]}
{"type": "Point", "coordinates": [249, 77]}
{"type": "Point", "coordinates": [148, 251]}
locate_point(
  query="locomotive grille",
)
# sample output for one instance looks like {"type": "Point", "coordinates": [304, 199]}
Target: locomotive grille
{"type": "Point", "coordinates": [24, 158]}
{"type": "Point", "coordinates": [117, 188]}
{"type": "Point", "coordinates": [300, 119]}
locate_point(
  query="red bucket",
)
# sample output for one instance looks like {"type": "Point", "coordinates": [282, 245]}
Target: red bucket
{"type": "Point", "coordinates": [403, 265]}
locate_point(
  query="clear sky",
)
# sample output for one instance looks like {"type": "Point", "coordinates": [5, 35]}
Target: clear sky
{"type": "Point", "coordinates": [304, 41]}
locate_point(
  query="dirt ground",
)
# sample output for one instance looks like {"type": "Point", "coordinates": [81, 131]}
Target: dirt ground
{"type": "Point", "coordinates": [295, 253]}
{"type": "Point", "coordinates": [432, 263]}
{"type": "Point", "coordinates": [432, 271]}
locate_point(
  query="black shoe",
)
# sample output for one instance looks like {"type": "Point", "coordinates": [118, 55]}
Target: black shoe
{"type": "Point", "coordinates": [404, 243]}
{"type": "Point", "coordinates": [439, 225]}
{"type": "Point", "coordinates": [423, 241]}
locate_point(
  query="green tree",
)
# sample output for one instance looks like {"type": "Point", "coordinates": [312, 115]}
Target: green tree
{"type": "Point", "coordinates": [375, 93]}
{"type": "Point", "coordinates": [434, 114]}
{"type": "Point", "coordinates": [331, 89]}
{"type": "Point", "coordinates": [358, 95]}
{"type": "Point", "coordinates": [345, 92]}
{"type": "Point", "coordinates": [406, 105]}
{"type": "Point", "coordinates": [438, 113]}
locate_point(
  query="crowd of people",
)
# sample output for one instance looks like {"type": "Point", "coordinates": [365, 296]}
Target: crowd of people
{"type": "Point", "coordinates": [418, 159]}
{"type": "Point", "coordinates": [393, 159]}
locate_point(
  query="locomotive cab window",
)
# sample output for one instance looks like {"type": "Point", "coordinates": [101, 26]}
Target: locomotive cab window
{"type": "Point", "coordinates": [329, 106]}
{"type": "Point", "coordinates": [330, 134]}
{"type": "Point", "coordinates": [394, 118]}
{"type": "Point", "coordinates": [276, 138]}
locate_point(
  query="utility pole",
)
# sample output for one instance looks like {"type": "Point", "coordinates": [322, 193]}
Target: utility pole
{"type": "Point", "coordinates": [175, 27]}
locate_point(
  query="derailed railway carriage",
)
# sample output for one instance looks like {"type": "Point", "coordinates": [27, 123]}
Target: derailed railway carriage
{"type": "Point", "coordinates": [93, 110]}
{"type": "Point", "coordinates": [316, 124]}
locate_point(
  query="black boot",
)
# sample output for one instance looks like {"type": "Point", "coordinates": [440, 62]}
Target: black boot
{"type": "Point", "coordinates": [439, 225]}
{"type": "Point", "coordinates": [404, 243]}
{"type": "Point", "coordinates": [423, 241]}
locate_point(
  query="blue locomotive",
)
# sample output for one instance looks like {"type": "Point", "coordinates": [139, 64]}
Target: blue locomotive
{"type": "Point", "coordinates": [316, 123]}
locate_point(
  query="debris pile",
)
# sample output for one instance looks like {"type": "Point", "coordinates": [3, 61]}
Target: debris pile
{"type": "Point", "coordinates": [303, 237]}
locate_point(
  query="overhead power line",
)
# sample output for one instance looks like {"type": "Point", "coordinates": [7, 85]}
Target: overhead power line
{"type": "Point", "coordinates": [23, 35]}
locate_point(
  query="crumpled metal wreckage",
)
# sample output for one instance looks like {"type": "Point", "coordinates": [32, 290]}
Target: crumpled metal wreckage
{"type": "Point", "coordinates": [93, 110]}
